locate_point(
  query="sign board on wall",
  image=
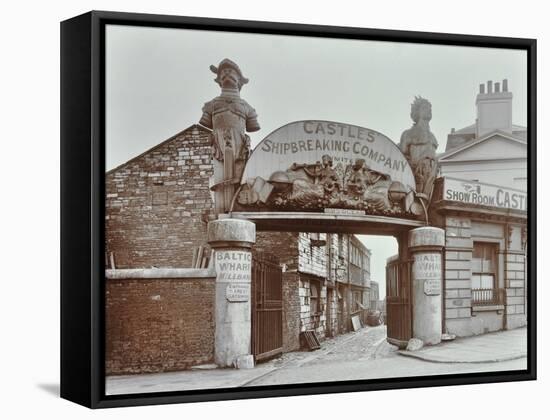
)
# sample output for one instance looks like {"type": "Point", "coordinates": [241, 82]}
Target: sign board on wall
{"type": "Point", "coordinates": [308, 141]}
{"type": "Point", "coordinates": [427, 267]}
{"type": "Point", "coordinates": [233, 266]}
{"type": "Point", "coordinates": [478, 193]}
{"type": "Point", "coordinates": [237, 292]}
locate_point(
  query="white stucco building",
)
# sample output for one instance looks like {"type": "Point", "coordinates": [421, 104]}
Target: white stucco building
{"type": "Point", "coordinates": [480, 200]}
{"type": "Point", "coordinates": [492, 150]}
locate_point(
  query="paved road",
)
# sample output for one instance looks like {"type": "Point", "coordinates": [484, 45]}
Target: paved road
{"type": "Point", "coordinates": [361, 355]}
{"type": "Point", "coordinates": [365, 355]}
{"type": "Point", "coordinates": [361, 345]}
{"type": "Point", "coordinates": [388, 367]}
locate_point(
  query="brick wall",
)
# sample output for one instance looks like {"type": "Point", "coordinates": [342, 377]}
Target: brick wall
{"type": "Point", "coordinates": [284, 245]}
{"type": "Point", "coordinates": [158, 325]}
{"type": "Point", "coordinates": [291, 312]}
{"type": "Point", "coordinates": [157, 203]}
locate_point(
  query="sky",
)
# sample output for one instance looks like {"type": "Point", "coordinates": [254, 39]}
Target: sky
{"type": "Point", "coordinates": [157, 80]}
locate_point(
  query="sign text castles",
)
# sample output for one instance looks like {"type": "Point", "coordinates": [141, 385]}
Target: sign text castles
{"type": "Point", "coordinates": [328, 145]}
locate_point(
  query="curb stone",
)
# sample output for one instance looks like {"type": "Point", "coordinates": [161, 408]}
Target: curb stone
{"type": "Point", "coordinates": [439, 359]}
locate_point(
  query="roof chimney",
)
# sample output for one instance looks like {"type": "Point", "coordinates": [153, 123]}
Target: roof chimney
{"type": "Point", "coordinates": [494, 108]}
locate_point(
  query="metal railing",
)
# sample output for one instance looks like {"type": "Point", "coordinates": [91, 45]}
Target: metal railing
{"type": "Point", "coordinates": [487, 297]}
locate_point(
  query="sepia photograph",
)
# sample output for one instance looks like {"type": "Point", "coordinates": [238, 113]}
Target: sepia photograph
{"type": "Point", "coordinates": [285, 209]}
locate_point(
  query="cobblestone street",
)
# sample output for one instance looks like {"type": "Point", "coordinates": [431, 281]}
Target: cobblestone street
{"type": "Point", "coordinates": [364, 354]}
{"type": "Point", "coordinates": [367, 343]}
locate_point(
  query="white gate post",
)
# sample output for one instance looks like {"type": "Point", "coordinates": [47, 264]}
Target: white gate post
{"type": "Point", "coordinates": [232, 240]}
{"type": "Point", "coordinates": [425, 246]}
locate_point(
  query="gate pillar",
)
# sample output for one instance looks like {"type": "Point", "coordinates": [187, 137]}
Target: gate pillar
{"type": "Point", "coordinates": [425, 246]}
{"type": "Point", "coordinates": [232, 240]}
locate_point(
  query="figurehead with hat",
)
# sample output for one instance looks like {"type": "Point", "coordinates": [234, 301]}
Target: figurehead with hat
{"type": "Point", "coordinates": [230, 117]}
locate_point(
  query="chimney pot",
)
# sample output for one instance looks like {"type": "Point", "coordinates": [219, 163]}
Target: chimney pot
{"type": "Point", "coordinates": [482, 88]}
{"type": "Point", "coordinates": [497, 87]}
{"type": "Point", "coordinates": [489, 86]}
{"type": "Point", "coordinates": [505, 85]}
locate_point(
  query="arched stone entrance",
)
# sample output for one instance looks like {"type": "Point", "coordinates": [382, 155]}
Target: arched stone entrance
{"type": "Point", "coordinates": [419, 251]}
{"type": "Point", "coordinates": [330, 177]}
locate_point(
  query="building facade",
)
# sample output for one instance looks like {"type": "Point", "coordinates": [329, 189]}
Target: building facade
{"type": "Point", "coordinates": [492, 150]}
{"type": "Point", "coordinates": [161, 297]}
{"type": "Point", "coordinates": [160, 281]}
{"type": "Point", "coordinates": [481, 202]}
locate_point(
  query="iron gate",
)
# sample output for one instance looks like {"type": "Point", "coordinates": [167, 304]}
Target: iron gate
{"type": "Point", "coordinates": [267, 306]}
{"type": "Point", "coordinates": [398, 301]}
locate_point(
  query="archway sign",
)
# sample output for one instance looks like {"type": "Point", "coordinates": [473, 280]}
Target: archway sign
{"type": "Point", "coordinates": [330, 167]}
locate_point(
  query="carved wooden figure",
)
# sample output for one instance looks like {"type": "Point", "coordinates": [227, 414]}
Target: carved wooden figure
{"type": "Point", "coordinates": [230, 117]}
{"type": "Point", "coordinates": [419, 145]}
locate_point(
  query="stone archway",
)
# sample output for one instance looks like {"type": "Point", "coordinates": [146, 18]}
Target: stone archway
{"type": "Point", "coordinates": [330, 177]}
{"type": "Point", "coordinates": [233, 237]}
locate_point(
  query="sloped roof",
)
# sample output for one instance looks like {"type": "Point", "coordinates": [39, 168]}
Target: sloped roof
{"type": "Point", "coordinates": [497, 133]}
{"type": "Point", "coordinates": [471, 129]}
{"type": "Point", "coordinates": [459, 138]}
{"type": "Point", "coordinates": [172, 138]}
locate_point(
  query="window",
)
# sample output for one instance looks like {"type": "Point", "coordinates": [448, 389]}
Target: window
{"type": "Point", "coordinates": [484, 273]}
{"type": "Point", "coordinates": [357, 301]}
{"type": "Point", "coordinates": [313, 298]}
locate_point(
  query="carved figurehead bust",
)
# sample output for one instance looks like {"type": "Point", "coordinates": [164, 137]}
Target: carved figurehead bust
{"type": "Point", "coordinates": [229, 75]}
{"type": "Point", "coordinates": [419, 145]}
{"type": "Point", "coordinates": [229, 117]}
{"type": "Point", "coordinates": [228, 114]}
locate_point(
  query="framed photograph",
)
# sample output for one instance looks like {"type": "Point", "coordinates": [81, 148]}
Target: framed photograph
{"type": "Point", "coordinates": [257, 209]}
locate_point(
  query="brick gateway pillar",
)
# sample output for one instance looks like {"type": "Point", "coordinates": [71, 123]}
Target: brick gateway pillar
{"type": "Point", "coordinates": [425, 246]}
{"type": "Point", "coordinates": [232, 240]}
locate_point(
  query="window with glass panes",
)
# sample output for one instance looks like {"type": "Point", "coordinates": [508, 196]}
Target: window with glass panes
{"type": "Point", "coordinates": [484, 266]}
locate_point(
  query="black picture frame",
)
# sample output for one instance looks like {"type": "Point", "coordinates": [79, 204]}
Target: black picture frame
{"type": "Point", "coordinates": [83, 207]}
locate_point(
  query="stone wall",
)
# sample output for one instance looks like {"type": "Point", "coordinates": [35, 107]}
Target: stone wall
{"type": "Point", "coordinates": [332, 312]}
{"type": "Point", "coordinates": [158, 325]}
{"type": "Point", "coordinates": [458, 273]}
{"type": "Point", "coordinates": [291, 312]}
{"type": "Point", "coordinates": [158, 203]}
{"type": "Point", "coordinates": [337, 248]}
{"type": "Point", "coordinates": [515, 278]}
{"type": "Point", "coordinates": [312, 257]}
{"type": "Point", "coordinates": [461, 317]}
{"type": "Point", "coordinates": [309, 319]}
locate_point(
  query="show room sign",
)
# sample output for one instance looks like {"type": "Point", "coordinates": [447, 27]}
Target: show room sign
{"type": "Point", "coordinates": [484, 194]}
{"type": "Point", "coordinates": [308, 141]}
